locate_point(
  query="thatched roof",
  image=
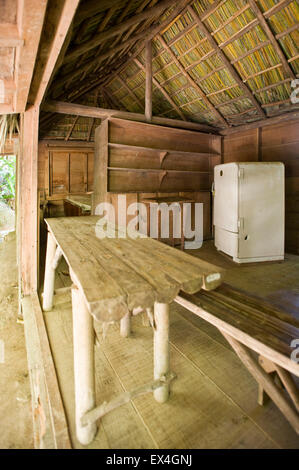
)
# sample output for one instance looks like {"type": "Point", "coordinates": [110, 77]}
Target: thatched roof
{"type": "Point", "coordinates": [220, 62]}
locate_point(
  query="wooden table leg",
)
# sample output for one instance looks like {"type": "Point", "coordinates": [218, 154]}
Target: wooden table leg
{"type": "Point", "coordinates": [83, 338]}
{"type": "Point", "coordinates": [125, 325]}
{"type": "Point", "coordinates": [49, 274]}
{"type": "Point", "coordinates": [161, 348]}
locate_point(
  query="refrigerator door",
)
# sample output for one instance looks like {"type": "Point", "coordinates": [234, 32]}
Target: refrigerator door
{"type": "Point", "coordinates": [226, 197]}
{"type": "Point", "coordinates": [261, 210]}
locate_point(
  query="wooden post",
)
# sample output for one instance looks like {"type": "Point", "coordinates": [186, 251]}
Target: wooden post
{"type": "Point", "coordinates": [148, 81]}
{"type": "Point", "coordinates": [49, 274]}
{"type": "Point", "coordinates": [161, 348]}
{"type": "Point", "coordinates": [125, 325]}
{"type": "Point", "coordinates": [28, 213]}
{"type": "Point", "coordinates": [84, 373]}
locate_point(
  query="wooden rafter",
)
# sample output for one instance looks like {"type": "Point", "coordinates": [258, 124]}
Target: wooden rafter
{"type": "Point", "coordinates": [194, 85]}
{"type": "Point", "coordinates": [93, 119]}
{"type": "Point", "coordinates": [72, 128]}
{"type": "Point", "coordinates": [271, 121]}
{"type": "Point", "coordinates": [148, 108]}
{"type": "Point", "coordinates": [131, 93]}
{"type": "Point", "coordinates": [181, 6]}
{"type": "Point", "coordinates": [59, 20]}
{"type": "Point", "coordinates": [204, 30]}
{"type": "Point", "coordinates": [276, 8]}
{"type": "Point", "coordinates": [164, 92]}
{"type": "Point", "coordinates": [116, 30]}
{"type": "Point", "coordinates": [254, 6]}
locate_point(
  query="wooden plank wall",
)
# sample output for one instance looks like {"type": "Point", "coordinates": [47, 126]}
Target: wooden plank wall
{"type": "Point", "coordinates": [64, 168]}
{"type": "Point", "coordinates": [143, 160]}
{"type": "Point", "coordinates": [273, 143]}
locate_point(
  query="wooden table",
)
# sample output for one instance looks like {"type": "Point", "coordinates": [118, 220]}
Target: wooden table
{"type": "Point", "coordinates": [75, 205]}
{"type": "Point", "coordinates": [167, 200]}
{"type": "Point", "coordinates": [112, 277]}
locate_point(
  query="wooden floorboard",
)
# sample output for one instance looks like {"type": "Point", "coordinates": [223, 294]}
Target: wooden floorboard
{"type": "Point", "coordinates": [213, 403]}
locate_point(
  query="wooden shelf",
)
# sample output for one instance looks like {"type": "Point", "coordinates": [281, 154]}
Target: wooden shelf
{"type": "Point", "coordinates": [157, 170]}
{"type": "Point", "coordinates": [159, 150]}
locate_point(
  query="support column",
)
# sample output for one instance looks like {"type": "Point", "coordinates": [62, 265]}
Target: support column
{"type": "Point", "coordinates": [161, 349]}
{"type": "Point", "coordinates": [28, 213]}
{"type": "Point", "coordinates": [148, 81]}
{"type": "Point", "coordinates": [84, 371]}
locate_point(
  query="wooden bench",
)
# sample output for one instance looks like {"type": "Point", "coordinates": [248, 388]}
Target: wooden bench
{"type": "Point", "coordinates": [250, 324]}
{"type": "Point", "coordinates": [112, 277]}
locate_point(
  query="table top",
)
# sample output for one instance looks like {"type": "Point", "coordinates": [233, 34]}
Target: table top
{"type": "Point", "coordinates": [117, 275]}
{"type": "Point", "coordinates": [83, 201]}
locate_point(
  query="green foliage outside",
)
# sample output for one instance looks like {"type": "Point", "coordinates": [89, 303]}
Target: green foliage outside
{"type": "Point", "coordinates": [7, 177]}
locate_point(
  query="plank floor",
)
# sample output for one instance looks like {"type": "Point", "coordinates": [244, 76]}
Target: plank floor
{"type": "Point", "coordinates": [213, 402]}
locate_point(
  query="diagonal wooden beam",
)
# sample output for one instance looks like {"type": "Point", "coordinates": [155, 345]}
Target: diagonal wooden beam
{"type": "Point", "coordinates": [204, 30]}
{"type": "Point", "coordinates": [148, 81]}
{"type": "Point", "coordinates": [286, 66]}
{"type": "Point", "coordinates": [194, 85]}
{"type": "Point", "coordinates": [59, 20]}
{"type": "Point", "coordinates": [276, 8]}
{"type": "Point", "coordinates": [150, 33]}
{"type": "Point", "coordinates": [71, 128]}
{"type": "Point", "coordinates": [131, 93]}
{"type": "Point", "coordinates": [116, 30]}
{"type": "Point", "coordinates": [164, 92]}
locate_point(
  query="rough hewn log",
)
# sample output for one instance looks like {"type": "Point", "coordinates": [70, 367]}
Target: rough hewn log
{"type": "Point", "coordinates": [89, 111]}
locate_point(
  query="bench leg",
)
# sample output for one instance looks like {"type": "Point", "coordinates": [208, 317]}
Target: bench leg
{"type": "Point", "coordinates": [161, 348]}
{"type": "Point", "coordinates": [83, 338]}
{"type": "Point", "coordinates": [265, 381]}
{"type": "Point", "coordinates": [125, 325]}
{"type": "Point", "coordinates": [49, 274]}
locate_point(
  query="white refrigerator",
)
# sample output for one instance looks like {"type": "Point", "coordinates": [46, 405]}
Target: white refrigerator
{"type": "Point", "coordinates": [249, 211]}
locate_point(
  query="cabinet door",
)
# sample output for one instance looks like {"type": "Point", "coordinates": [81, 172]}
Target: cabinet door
{"type": "Point", "coordinates": [78, 172]}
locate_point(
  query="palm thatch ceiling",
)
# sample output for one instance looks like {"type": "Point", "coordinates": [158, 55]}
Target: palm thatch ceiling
{"type": "Point", "coordinates": [219, 62]}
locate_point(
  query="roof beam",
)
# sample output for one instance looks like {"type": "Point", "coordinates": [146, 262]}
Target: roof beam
{"type": "Point", "coordinates": [227, 63]}
{"type": "Point", "coordinates": [271, 121]}
{"type": "Point", "coordinates": [145, 36]}
{"type": "Point", "coordinates": [148, 82]}
{"type": "Point", "coordinates": [59, 20]}
{"type": "Point", "coordinates": [116, 30]}
{"type": "Point", "coordinates": [164, 92]}
{"type": "Point", "coordinates": [287, 68]}
{"type": "Point", "coordinates": [192, 82]}
{"type": "Point", "coordinates": [9, 36]}
{"type": "Point", "coordinates": [101, 113]}
{"type": "Point", "coordinates": [30, 21]}
{"type": "Point", "coordinates": [90, 8]}
{"type": "Point", "coordinates": [71, 128]}
{"type": "Point", "coordinates": [276, 8]}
